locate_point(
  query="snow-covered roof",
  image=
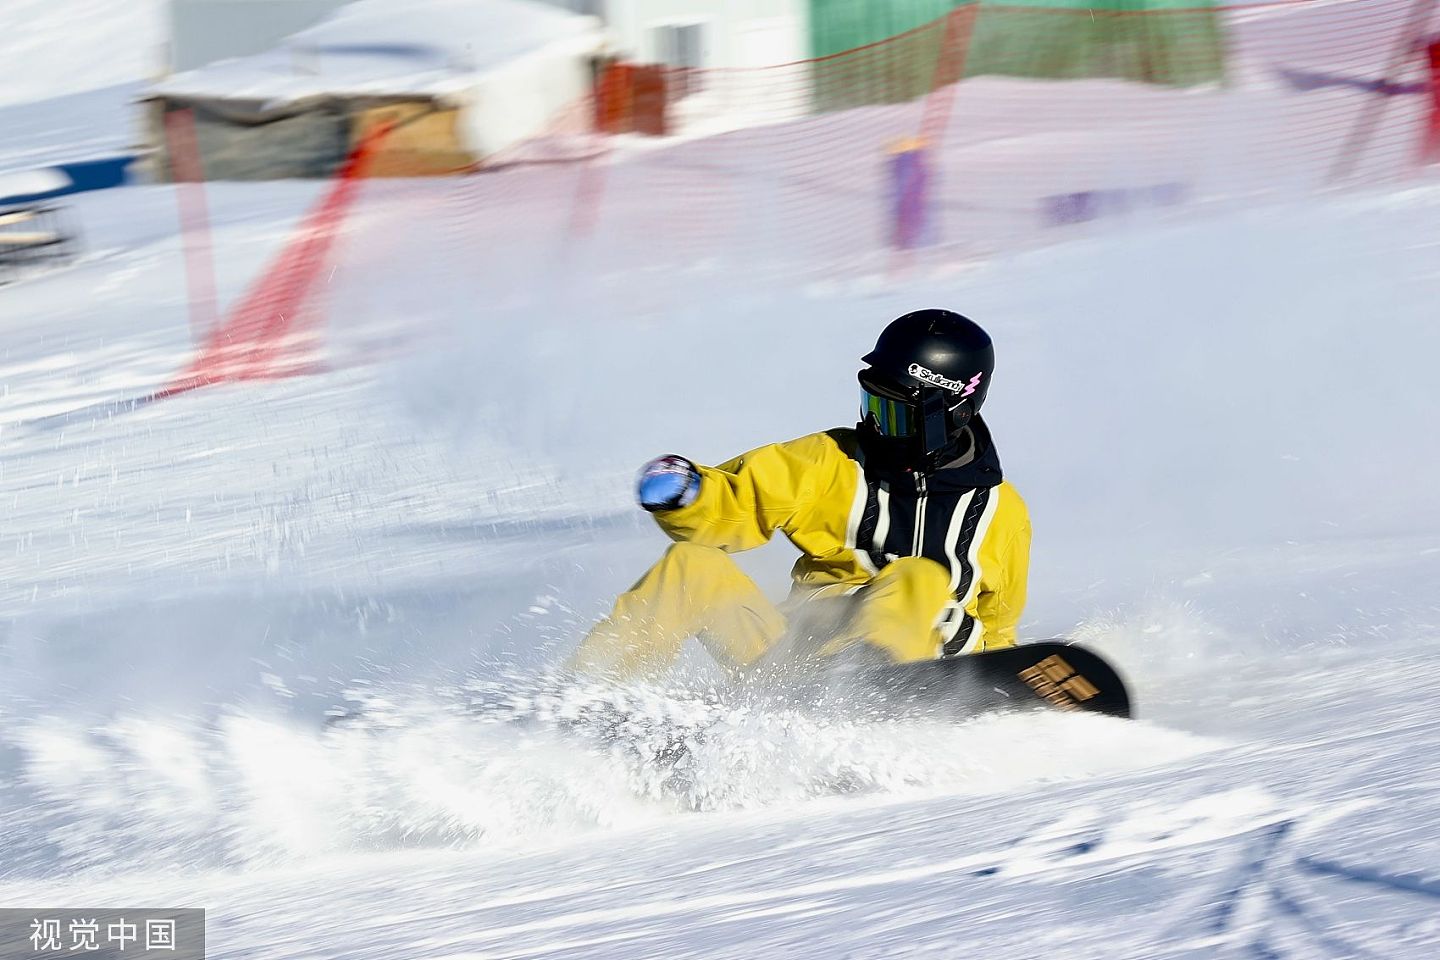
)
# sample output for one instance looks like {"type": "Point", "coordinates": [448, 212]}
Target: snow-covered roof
{"type": "Point", "coordinates": [26, 183]}
{"type": "Point", "coordinates": [390, 48]}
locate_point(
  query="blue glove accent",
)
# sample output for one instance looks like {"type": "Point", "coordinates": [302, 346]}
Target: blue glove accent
{"type": "Point", "coordinates": [667, 483]}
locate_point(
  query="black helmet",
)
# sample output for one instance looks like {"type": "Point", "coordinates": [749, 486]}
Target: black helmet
{"type": "Point", "coordinates": [927, 376]}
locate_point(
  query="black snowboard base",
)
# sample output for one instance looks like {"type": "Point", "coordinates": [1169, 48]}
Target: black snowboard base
{"type": "Point", "coordinates": [1052, 674]}
{"type": "Point", "coordinates": [1048, 675]}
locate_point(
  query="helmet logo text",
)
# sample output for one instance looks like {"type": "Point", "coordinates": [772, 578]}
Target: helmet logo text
{"type": "Point", "coordinates": [955, 386]}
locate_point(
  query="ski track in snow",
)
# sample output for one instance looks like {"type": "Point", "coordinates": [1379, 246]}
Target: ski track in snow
{"type": "Point", "coordinates": [187, 587]}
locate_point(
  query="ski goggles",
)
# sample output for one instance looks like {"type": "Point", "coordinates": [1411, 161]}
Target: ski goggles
{"type": "Point", "coordinates": [891, 416]}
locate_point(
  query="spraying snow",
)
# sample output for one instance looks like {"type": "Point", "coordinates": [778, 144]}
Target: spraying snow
{"type": "Point", "coordinates": [494, 766]}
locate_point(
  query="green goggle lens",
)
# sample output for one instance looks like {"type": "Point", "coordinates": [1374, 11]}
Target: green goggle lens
{"type": "Point", "coordinates": [893, 418]}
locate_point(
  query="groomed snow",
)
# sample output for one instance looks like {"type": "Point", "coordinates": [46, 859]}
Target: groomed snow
{"type": "Point", "coordinates": [1222, 424]}
{"type": "Point", "coordinates": [1219, 427]}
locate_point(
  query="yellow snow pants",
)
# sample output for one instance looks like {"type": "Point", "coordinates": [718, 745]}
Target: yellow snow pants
{"type": "Point", "coordinates": [699, 591]}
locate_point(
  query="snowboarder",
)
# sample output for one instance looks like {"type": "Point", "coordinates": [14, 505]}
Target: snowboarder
{"type": "Point", "coordinates": [913, 545]}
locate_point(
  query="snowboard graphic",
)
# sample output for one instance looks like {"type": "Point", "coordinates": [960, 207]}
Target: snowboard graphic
{"type": "Point", "coordinates": [1048, 675]}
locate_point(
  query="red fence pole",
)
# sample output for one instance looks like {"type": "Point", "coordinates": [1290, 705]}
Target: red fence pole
{"type": "Point", "coordinates": [1371, 114]}
{"type": "Point", "coordinates": [186, 170]}
{"type": "Point", "coordinates": [1430, 146]}
{"type": "Point", "coordinates": [613, 112]}
{"type": "Point", "coordinates": [949, 70]}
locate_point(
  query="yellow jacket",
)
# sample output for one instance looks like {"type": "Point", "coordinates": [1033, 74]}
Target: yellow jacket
{"type": "Point", "coordinates": [850, 520]}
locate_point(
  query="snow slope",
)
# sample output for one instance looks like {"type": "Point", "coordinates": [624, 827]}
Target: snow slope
{"type": "Point", "coordinates": [51, 49]}
{"type": "Point", "coordinates": [1219, 428]}
{"type": "Point", "coordinates": [1221, 425]}
{"type": "Point", "coordinates": [68, 74]}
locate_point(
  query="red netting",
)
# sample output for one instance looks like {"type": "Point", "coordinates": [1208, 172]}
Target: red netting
{"type": "Point", "coordinates": [273, 330]}
{"type": "Point", "coordinates": [989, 129]}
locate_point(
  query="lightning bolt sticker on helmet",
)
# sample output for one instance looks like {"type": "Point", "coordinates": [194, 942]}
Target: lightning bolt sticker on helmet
{"type": "Point", "coordinates": [954, 386]}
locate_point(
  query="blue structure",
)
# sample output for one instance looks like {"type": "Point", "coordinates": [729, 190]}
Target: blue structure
{"type": "Point", "coordinates": [82, 176]}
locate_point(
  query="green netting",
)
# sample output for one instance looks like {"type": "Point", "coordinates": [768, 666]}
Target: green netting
{"type": "Point", "coordinates": [895, 71]}
{"type": "Point", "coordinates": [890, 51]}
{"type": "Point", "coordinates": [1160, 43]}
{"type": "Point", "coordinates": [840, 25]}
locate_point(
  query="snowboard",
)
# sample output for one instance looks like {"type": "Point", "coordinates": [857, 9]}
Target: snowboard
{"type": "Point", "coordinates": [1050, 675]}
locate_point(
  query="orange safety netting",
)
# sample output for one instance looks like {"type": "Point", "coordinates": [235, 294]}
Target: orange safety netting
{"type": "Point", "coordinates": [956, 137]}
